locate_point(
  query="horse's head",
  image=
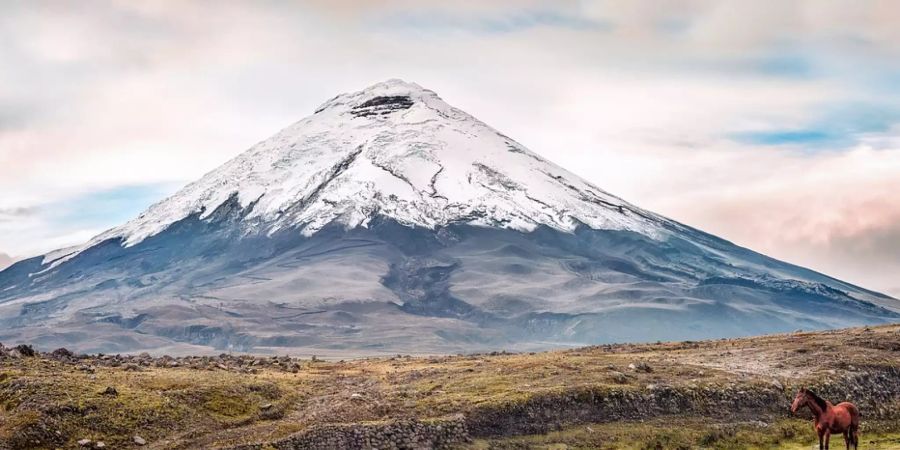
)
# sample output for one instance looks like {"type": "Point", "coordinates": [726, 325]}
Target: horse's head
{"type": "Point", "coordinates": [799, 400]}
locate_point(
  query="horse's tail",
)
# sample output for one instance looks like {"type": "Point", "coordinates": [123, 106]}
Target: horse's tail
{"type": "Point", "coordinates": [854, 425]}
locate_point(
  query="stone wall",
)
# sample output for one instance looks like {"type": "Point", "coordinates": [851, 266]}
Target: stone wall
{"type": "Point", "coordinates": [395, 435]}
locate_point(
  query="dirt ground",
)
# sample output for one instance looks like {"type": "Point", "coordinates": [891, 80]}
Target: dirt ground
{"type": "Point", "coordinates": [53, 400]}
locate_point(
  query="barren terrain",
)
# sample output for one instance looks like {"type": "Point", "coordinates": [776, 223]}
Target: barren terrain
{"type": "Point", "coordinates": [711, 394]}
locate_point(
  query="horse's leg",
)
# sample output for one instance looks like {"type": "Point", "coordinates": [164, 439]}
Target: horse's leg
{"type": "Point", "coordinates": [847, 439]}
{"type": "Point", "coordinates": [821, 439]}
{"type": "Point", "coordinates": [855, 434]}
{"type": "Point", "coordinates": [827, 438]}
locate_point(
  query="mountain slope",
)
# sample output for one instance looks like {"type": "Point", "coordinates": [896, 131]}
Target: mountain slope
{"type": "Point", "coordinates": [391, 221]}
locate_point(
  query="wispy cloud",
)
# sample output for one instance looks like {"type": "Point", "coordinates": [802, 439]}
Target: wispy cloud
{"type": "Point", "coordinates": [509, 21]}
{"type": "Point", "coordinates": [15, 213]}
{"type": "Point", "coordinates": [828, 126]}
{"type": "Point", "coordinates": [809, 137]}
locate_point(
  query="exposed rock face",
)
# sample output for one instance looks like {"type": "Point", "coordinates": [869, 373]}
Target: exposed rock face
{"type": "Point", "coordinates": [382, 105]}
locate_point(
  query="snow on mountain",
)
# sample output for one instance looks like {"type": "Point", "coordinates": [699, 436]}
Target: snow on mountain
{"type": "Point", "coordinates": [397, 150]}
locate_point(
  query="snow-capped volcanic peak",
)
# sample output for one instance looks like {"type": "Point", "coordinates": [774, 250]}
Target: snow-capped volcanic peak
{"type": "Point", "coordinates": [399, 151]}
{"type": "Point", "coordinates": [237, 272]}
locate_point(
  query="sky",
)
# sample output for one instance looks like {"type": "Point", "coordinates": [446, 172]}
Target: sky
{"type": "Point", "coordinates": [773, 124]}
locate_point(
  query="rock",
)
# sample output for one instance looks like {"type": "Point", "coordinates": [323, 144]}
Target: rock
{"type": "Point", "coordinates": [266, 406]}
{"type": "Point", "coordinates": [131, 367]}
{"type": "Point", "coordinates": [111, 391]}
{"type": "Point", "coordinates": [619, 377]}
{"type": "Point", "coordinates": [355, 396]}
{"type": "Point", "coordinates": [62, 353]}
{"type": "Point", "coordinates": [640, 366]}
{"type": "Point", "coordinates": [139, 440]}
{"type": "Point", "coordinates": [25, 350]}
{"type": "Point", "coordinates": [99, 444]}
{"type": "Point", "coordinates": [84, 442]}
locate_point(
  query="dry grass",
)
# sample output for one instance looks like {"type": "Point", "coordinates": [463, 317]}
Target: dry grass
{"type": "Point", "coordinates": [49, 404]}
{"type": "Point", "coordinates": [688, 433]}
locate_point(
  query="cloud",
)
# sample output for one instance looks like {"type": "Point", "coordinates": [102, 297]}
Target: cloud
{"type": "Point", "coordinates": [7, 214]}
{"type": "Point", "coordinates": [767, 122]}
{"type": "Point", "coordinates": [437, 21]}
{"type": "Point", "coordinates": [829, 126]}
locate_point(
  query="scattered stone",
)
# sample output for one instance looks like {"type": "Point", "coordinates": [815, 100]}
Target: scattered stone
{"type": "Point", "coordinates": [619, 377]}
{"type": "Point", "coordinates": [99, 444]}
{"type": "Point", "coordinates": [111, 391]}
{"type": "Point", "coordinates": [266, 406]}
{"type": "Point", "coordinates": [84, 442]}
{"type": "Point", "coordinates": [640, 366]}
{"type": "Point", "coordinates": [139, 440]}
{"type": "Point", "coordinates": [131, 367]}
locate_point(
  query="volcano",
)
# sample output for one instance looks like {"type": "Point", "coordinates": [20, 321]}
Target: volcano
{"type": "Point", "coordinates": [391, 222]}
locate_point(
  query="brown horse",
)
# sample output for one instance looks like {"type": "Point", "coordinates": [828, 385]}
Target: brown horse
{"type": "Point", "coordinates": [841, 418]}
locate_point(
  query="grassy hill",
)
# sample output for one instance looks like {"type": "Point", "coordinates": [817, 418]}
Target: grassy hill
{"type": "Point", "coordinates": [712, 394]}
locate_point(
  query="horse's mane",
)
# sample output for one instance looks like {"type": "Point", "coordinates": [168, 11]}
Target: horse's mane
{"type": "Point", "coordinates": [819, 400]}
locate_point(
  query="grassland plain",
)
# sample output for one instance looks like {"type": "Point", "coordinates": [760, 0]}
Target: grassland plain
{"type": "Point", "coordinates": [730, 393]}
